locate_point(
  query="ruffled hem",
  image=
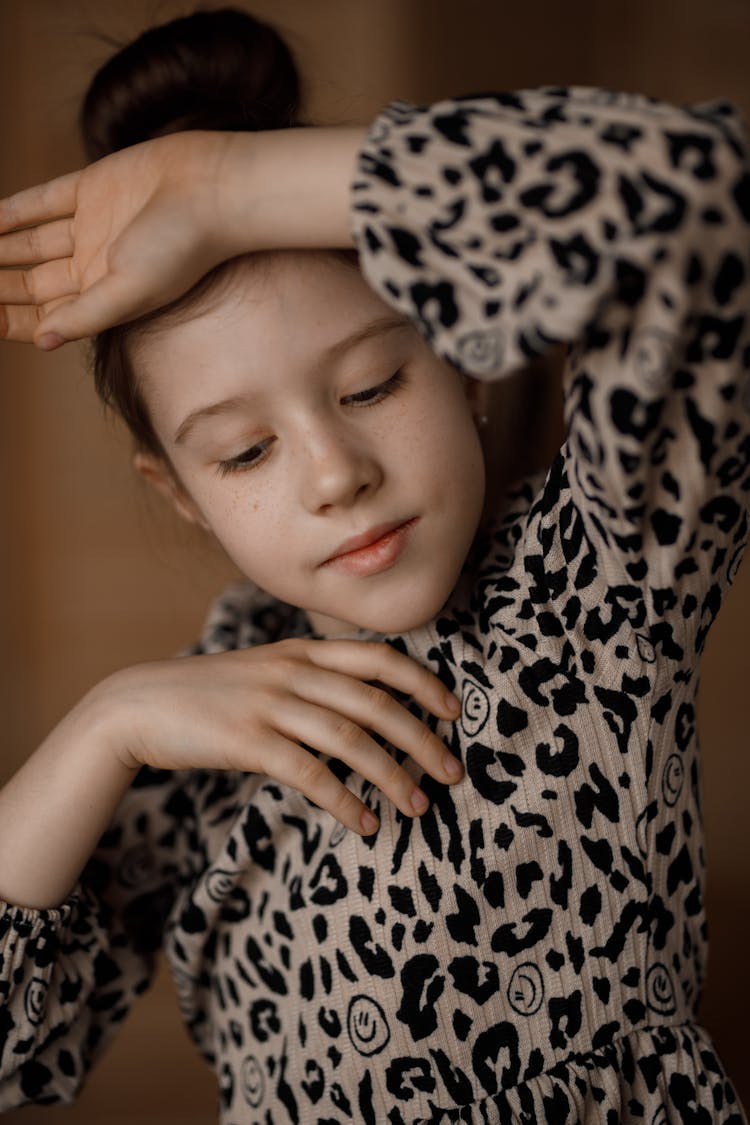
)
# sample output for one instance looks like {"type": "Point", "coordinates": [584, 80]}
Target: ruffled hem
{"type": "Point", "coordinates": [29, 921]}
{"type": "Point", "coordinates": [656, 1075]}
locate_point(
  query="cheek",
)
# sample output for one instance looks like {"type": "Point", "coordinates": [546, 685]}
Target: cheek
{"type": "Point", "coordinates": [456, 451]}
{"type": "Point", "coordinates": [246, 517]}
{"type": "Point", "coordinates": [433, 440]}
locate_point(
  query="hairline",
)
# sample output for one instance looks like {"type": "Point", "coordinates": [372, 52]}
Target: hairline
{"type": "Point", "coordinates": [202, 298]}
{"type": "Point", "coordinates": [373, 329]}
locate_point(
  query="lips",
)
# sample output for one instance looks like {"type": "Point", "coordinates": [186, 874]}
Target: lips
{"type": "Point", "coordinates": [365, 539]}
{"type": "Point", "coordinates": [373, 551]}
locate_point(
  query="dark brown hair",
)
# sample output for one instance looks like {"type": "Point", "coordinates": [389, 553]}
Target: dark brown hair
{"type": "Point", "coordinates": [218, 70]}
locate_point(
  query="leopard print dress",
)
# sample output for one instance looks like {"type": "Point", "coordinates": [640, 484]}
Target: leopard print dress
{"type": "Point", "coordinates": [533, 948]}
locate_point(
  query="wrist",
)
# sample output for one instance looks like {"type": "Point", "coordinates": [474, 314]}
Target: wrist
{"type": "Point", "coordinates": [289, 188]}
{"type": "Point", "coordinates": [107, 717]}
{"type": "Point", "coordinates": [57, 805]}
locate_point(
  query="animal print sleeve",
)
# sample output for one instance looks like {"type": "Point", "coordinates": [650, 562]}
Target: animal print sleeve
{"type": "Point", "coordinates": [69, 975]}
{"type": "Point", "coordinates": [503, 224]}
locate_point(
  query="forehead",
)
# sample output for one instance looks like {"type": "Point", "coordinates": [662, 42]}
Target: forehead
{"type": "Point", "coordinates": [268, 319]}
{"type": "Point", "coordinates": [300, 299]}
{"type": "Point", "coordinates": [256, 288]}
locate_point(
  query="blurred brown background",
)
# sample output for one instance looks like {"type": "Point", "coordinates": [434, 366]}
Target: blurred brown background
{"type": "Point", "coordinates": [94, 575]}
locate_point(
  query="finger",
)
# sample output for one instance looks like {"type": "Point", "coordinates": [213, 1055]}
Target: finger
{"type": "Point", "coordinates": [374, 660]}
{"type": "Point", "coordinates": [52, 200]}
{"type": "Point", "coordinates": [106, 303]}
{"type": "Point", "coordinates": [25, 323]}
{"type": "Point", "coordinates": [19, 322]}
{"type": "Point", "coordinates": [340, 737]}
{"type": "Point", "coordinates": [40, 285]}
{"type": "Point", "coordinates": [369, 706]}
{"type": "Point", "coordinates": [37, 244]}
{"type": "Point", "coordinates": [302, 771]}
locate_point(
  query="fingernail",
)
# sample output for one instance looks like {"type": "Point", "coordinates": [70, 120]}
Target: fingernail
{"type": "Point", "coordinates": [452, 702]}
{"type": "Point", "coordinates": [49, 341]}
{"type": "Point", "coordinates": [369, 822]}
{"type": "Point", "coordinates": [419, 801]}
{"type": "Point", "coordinates": [452, 766]}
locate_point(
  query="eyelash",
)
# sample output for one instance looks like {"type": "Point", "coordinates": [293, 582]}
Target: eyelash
{"type": "Point", "coordinates": [372, 396]}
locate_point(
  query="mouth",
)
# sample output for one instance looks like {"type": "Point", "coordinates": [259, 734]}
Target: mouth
{"type": "Point", "coordinates": [374, 551]}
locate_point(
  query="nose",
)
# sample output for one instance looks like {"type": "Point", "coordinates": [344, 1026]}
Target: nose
{"type": "Point", "coordinates": [339, 468]}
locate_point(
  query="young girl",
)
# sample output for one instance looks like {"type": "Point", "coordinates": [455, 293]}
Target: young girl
{"type": "Point", "coordinates": [518, 932]}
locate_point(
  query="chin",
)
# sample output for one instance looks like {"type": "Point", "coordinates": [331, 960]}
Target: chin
{"type": "Point", "coordinates": [398, 601]}
{"type": "Point", "coordinates": [404, 615]}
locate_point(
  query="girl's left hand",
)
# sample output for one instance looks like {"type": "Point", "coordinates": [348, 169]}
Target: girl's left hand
{"type": "Point", "coordinates": [106, 244]}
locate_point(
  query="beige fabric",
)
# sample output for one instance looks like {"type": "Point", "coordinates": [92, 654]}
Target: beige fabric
{"type": "Point", "coordinates": [533, 947]}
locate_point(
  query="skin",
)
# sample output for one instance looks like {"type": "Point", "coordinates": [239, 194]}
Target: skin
{"type": "Point", "coordinates": [127, 235]}
{"type": "Point", "coordinates": [319, 467]}
{"type": "Point", "coordinates": [133, 231]}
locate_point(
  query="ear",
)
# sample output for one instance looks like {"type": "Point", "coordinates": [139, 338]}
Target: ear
{"type": "Point", "coordinates": [160, 475]}
{"type": "Point", "coordinates": [479, 396]}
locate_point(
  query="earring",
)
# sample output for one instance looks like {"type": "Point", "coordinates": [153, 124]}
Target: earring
{"type": "Point", "coordinates": [482, 420]}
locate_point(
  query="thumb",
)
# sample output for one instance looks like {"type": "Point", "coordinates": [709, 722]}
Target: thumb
{"type": "Point", "coordinates": [108, 302]}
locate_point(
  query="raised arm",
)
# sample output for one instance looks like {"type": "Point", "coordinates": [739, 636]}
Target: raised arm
{"type": "Point", "coordinates": [136, 230]}
{"type": "Point", "coordinates": [621, 225]}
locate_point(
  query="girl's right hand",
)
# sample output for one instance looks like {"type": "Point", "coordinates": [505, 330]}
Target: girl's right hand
{"type": "Point", "coordinates": [251, 709]}
{"type": "Point", "coordinates": [136, 229]}
{"type": "Point", "coordinates": [112, 241]}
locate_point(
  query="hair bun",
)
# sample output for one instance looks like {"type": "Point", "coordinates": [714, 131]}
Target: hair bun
{"type": "Point", "coordinates": [211, 70]}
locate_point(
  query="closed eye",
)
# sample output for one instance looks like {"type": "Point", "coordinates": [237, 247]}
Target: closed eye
{"type": "Point", "coordinates": [373, 395]}
{"type": "Point", "coordinates": [256, 454]}
{"type": "Point", "coordinates": [248, 459]}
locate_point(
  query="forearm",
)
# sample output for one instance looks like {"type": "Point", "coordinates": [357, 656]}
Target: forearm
{"type": "Point", "coordinates": [558, 202]}
{"type": "Point", "coordinates": [55, 808]}
{"type": "Point", "coordinates": [151, 220]}
{"type": "Point", "coordinates": [289, 188]}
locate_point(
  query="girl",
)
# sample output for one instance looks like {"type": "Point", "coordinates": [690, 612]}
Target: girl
{"type": "Point", "coordinates": [529, 946]}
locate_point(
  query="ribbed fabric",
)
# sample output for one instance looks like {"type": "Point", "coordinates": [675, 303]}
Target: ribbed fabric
{"type": "Point", "coordinates": [533, 947]}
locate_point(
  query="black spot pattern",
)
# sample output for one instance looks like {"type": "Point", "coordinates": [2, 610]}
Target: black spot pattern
{"type": "Point", "coordinates": [533, 948]}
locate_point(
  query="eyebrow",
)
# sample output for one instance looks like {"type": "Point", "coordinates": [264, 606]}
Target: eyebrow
{"type": "Point", "coordinates": [375, 328]}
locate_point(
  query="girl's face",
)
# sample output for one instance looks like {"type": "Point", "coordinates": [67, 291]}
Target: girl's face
{"type": "Point", "coordinates": [316, 435]}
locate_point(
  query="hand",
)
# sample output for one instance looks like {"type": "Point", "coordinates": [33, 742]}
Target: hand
{"type": "Point", "coordinates": [137, 229]}
{"type": "Point", "coordinates": [113, 241]}
{"type": "Point", "coordinates": [249, 710]}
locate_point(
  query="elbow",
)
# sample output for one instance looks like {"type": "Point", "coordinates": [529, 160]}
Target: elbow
{"type": "Point", "coordinates": [719, 163]}
{"type": "Point", "coordinates": [35, 1082]}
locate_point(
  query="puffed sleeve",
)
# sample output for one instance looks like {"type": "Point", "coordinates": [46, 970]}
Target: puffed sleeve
{"type": "Point", "coordinates": [68, 976]}
{"type": "Point", "coordinates": [504, 224]}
